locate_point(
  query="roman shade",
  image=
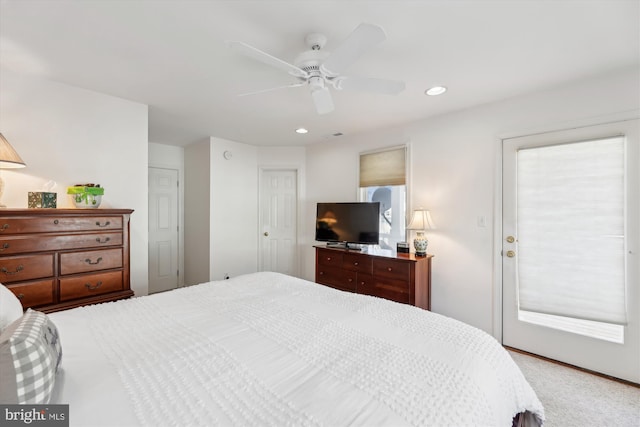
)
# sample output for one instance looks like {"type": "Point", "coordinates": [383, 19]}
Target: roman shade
{"type": "Point", "coordinates": [383, 167]}
{"type": "Point", "coordinates": [571, 230]}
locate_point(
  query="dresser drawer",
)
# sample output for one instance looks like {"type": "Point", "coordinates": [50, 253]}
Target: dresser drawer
{"type": "Point", "coordinates": [35, 243]}
{"type": "Point", "coordinates": [394, 290]}
{"type": "Point", "coordinates": [357, 262]}
{"type": "Point", "coordinates": [330, 258]}
{"type": "Point", "coordinates": [33, 294]}
{"type": "Point", "coordinates": [391, 269]}
{"type": "Point", "coordinates": [336, 278]}
{"type": "Point", "coordinates": [18, 268]}
{"type": "Point", "coordinates": [82, 262]}
{"type": "Point", "coordinates": [89, 285]}
{"type": "Point", "coordinates": [20, 225]}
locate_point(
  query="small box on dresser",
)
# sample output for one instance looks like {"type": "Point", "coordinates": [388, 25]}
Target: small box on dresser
{"type": "Point", "coordinates": [55, 259]}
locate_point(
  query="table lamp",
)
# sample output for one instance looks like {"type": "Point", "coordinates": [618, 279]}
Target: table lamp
{"type": "Point", "coordinates": [9, 159]}
{"type": "Point", "coordinates": [420, 222]}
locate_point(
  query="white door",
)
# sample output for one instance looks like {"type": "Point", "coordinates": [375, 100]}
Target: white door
{"type": "Point", "coordinates": [278, 220]}
{"type": "Point", "coordinates": [163, 229]}
{"type": "Point", "coordinates": [571, 230]}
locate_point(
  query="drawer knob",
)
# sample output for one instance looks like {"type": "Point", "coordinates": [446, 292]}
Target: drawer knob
{"type": "Point", "coordinates": [104, 224]}
{"type": "Point", "coordinates": [4, 246]}
{"type": "Point", "coordinates": [389, 269]}
{"type": "Point", "coordinates": [88, 261]}
{"type": "Point", "coordinates": [93, 287]}
{"type": "Point", "coordinates": [328, 258]}
{"type": "Point", "coordinates": [321, 273]}
{"type": "Point", "coordinates": [56, 222]}
{"type": "Point", "coordinates": [106, 239]}
{"type": "Point", "coordinates": [4, 227]}
{"type": "Point", "coordinates": [355, 263]}
{"type": "Point", "coordinates": [7, 272]}
{"type": "Point", "coordinates": [350, 280]}
{"type": "Point", "coordinates": [20, 296]}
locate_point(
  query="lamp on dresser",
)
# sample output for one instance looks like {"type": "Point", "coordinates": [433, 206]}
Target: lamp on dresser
{"type": "Point", "coordinates": [421, 221]}
{"type": "Point", "coordinates": [9, 159]}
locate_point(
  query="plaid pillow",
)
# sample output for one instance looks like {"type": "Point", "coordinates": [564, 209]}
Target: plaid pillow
{"type": "Point", "coordinates": [30, 354]}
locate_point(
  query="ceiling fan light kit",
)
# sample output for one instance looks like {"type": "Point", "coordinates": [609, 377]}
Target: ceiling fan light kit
{"type": "Point", "coordinates": [319, 69]}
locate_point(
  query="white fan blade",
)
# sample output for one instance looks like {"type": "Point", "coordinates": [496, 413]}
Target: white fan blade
{"type": "Point", "coordinates": [367, 84]}
{"type": "Point", "coordinates": [322, 100]}
{"type": "Point", "coordinates": [273, 88]}
{"type": "Point", "coordinates": [364, 37]}
{"type": "Point", "coordinates": [265, 58]}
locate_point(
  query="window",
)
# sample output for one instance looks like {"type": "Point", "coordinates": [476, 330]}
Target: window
{"type": "Point", "coordinates": [571, 233]}
{"type": "Point", "coordinates": [383, 179]}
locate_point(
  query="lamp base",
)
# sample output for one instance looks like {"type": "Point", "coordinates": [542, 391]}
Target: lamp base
{"type": "Point", "coordinates": [420, 244]}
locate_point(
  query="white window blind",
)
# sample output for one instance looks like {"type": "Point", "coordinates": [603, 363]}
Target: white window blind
{"type": "Point", "coordinates": [571, 230]}
{"type": "Point", "coordinates": [383, 168]}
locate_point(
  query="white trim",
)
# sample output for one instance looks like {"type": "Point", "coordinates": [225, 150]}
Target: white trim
{"type": "Point", "coordinates": [573, 124]}
{"type": "Point", "coordinates": [180, 170]}
{"type": "Point", "coordinates": [498, 205]}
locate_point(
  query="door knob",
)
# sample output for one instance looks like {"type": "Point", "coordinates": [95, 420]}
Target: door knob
{"type": "Point", "coordinates": [266, 233]}
{"type": "Point", "coordinates": [511, 254]}
{"type": "Point", "coordinates": [511, 239]}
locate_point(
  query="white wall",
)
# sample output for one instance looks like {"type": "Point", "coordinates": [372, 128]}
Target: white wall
{"type": "Point", "coordinates": [71, 135]}
{"type": "Point", "coordinates": [455, 173]}
{"type": "Point", "coordinates": [197, 212]}
{"type": "Point", "coordinates": [234, 209]}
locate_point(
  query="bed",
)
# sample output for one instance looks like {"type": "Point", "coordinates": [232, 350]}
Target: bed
{"type": "Point", "coordinates": [269, 349]}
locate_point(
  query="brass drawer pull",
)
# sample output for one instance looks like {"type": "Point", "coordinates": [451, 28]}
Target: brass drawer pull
{"type": "Point", "coordinates": [103, 225]}
{"type": "Point", "coordinates": [4, 246]}
{"type": "Point", "coordinates": [4, 227]}
{"type": "Point", "coordinates": [106, 239]}
{"type": "Point", "coordinates": [18, 270]}
{"type": "Point", "coordinates": [93, 287]}
{"type": "Point", "coordinates": [88, 261]}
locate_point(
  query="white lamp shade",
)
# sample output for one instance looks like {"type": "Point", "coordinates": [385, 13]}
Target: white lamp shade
{"type": "Point", "coordinates": [421, 220]}
{"type": "Point", "coordinates": [8, 156]}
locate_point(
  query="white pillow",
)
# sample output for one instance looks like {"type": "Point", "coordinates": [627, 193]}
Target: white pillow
{"type": "Point", "coordinates": [10, 307]}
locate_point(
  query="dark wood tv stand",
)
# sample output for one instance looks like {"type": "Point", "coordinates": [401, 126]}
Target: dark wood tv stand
{"type": "Point", "coordinates": [398, 277]}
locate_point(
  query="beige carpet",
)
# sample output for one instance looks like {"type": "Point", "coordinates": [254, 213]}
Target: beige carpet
{"type": "Point", "coordinates": [574, 398]}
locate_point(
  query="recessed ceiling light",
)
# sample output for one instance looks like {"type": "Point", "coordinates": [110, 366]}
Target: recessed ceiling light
{"type": "Point", "coordinates": [436, 90]}
{"type": "Point", "coordinates": [301, 130]}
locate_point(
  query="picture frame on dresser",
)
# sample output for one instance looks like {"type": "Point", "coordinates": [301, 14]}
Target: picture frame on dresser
{"type": "Point", "coordinates": [56, 259]}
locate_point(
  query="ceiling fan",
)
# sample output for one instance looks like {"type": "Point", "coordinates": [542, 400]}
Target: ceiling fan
{"type": "Point", "coordinates": [318, 69]}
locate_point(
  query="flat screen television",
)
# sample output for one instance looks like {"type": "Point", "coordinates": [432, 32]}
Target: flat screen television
{"type": "Point", "coordinates": [348, 222]}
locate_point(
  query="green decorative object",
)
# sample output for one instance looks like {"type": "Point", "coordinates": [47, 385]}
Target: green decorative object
{"type": "Point", "coordinates": [86, 197]}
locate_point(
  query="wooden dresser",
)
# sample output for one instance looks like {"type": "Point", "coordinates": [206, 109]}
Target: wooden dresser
{"type": "Point", "coordinates": [400, 277]}
{"type": "Point", "coordinates": [55, 259]}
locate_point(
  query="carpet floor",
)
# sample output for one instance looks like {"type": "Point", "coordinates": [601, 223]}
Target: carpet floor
{"type": "Point", "coordinates": [575, 398]}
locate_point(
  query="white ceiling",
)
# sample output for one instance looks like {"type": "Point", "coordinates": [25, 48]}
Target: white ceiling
{"type": "Point", "coordinates": [171, 55]}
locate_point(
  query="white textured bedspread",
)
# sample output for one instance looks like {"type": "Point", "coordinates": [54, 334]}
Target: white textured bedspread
{"type": "Point", "coordinates": [271, 350]}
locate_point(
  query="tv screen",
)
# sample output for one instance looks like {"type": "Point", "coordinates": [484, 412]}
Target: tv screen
{"type": "Point", "coordinates": [349, 222]}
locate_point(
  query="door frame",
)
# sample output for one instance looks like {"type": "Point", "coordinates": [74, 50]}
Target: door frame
{"type": "Point", "coordinates": [299, 216]}
{"type": "Point", "coordinates": [498, 204]}
{"type": "Point", "coordinates": [180, 170]}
